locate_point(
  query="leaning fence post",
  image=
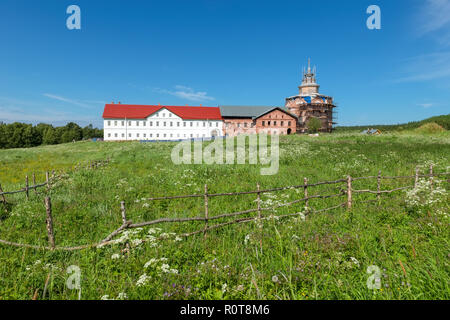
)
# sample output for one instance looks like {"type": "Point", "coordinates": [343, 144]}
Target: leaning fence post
{"type": "Point", "coordinates": [47, 180]}
{"type": "Point", "coordinates": [26, 187]}
{"type": "Point", "coordinates": [3, 196]}
{"type": "Point", "coordinates": [123, 211]}
{"type": "Point", "coordinates": [349, 192]}
{"type": "Point", "coordinates": [49, 222]}
{"type": "Point", "coordinates": [431, 177]}
{"type": "Point", "coordinates": [206, 210]}
{"type": "Point", "coordinates": [34, 182]}
{"type": "Point", "coordinates": [305, 188]}
{"type": "Point", "coordinates": [379, 185]}
{"type": "Point", "coordinates": [416, 179]}
{"type": "Point", "coordinates": [259, 214]}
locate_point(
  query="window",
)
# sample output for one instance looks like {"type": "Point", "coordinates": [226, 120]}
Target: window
{"type": "Point", "coordinates": [238, 125]}
{"type": "Point", "coordinates": [204, 123]}
{"type": "Point", "coordinates": [282, 123]}
{"type": "Point", "coordinates": [163, 115]}
{"type": "Point", "coordinates": [109, 135]}
{"type": "Point", "coordinates": [217, 124]}
{"type": "Point", "coordinates": [191, 135]}
{"type": "Point", "coordinates": [171, 123]}
{"type": "Point", "coordinates": [192, 123]}
{"type": "Point", "coordinates": [145, 135]}
{"type": "Point", "coordinates": [115, 135]}
{"type": "Point", "coordinates": [151, 135]}
{"type": "Point", "coordinates": [198, 124]}
{"type": "Point", "coordinates": [170, 115]}
{"type": "Point", "coordinates": [137, 123]}
{"type": "Point", "coordinates": [123, 123]}
{"type": "Point", "coordinates": [245, 124]}
{"type": "Point", "coordinates": [115, 123]}
{"type": "Point", "coordinates": [274, 123]}
{"type": "Point", "coordinates": [171, 135]}
{"type": "Point", "coordinates": [263, 123]}
{"type": "Point", "coordinates": [289, 123]}
{"type": "Point", "coordinates": [129, 135]}
{"type": "Point", "coordinates": [157, 123]}
{"type": "Point", "coordinates": [178, 124]}
{"type": "Point", "coordinates": [144, 123]}
{"type": "Point", "coordinates": [151, 123]}
{"type": "Point", "coordinates": [157, 135]}
{"type": "Point", "coordinates": [268, 123]}
{"type": "Point", "coordinates": [123, 135]}
{"type": "Point", "coordinates": [129, 123]}
{"type": "Point", "coordinates": [137, 135]}
{"type": "Point", "coordinates": [184, 124]}
{"type": "Point", "coordinates": [109, 123]}
{"type": "Point", "coordinates": [164, 124]}
{"type": "Point", "coordinates": [165, 135]}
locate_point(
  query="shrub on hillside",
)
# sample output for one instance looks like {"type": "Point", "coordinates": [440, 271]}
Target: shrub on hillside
{"type": "Point", "coordinates": [431, 127]}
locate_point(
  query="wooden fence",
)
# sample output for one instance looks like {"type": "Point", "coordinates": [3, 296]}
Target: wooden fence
{"type": "Point", "coordinates": [347, 193]}
{"type": "Point", "coordinates": [48, 180]}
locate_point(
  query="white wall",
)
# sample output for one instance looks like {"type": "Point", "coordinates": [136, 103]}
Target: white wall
{"type": "Point", "coordinates": [162, 125]}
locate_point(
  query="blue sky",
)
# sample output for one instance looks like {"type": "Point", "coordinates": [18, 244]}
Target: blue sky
{"type": "Point", "coordinates": [223, 52]}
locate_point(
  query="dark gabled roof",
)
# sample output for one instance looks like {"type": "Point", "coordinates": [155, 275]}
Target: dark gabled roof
{"type": "Point", "coordinates": [249, 111]}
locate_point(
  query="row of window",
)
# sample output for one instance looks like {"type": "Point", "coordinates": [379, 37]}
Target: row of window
{"type": "Point", "coordinates": [274, 123]}
{"type": "Point", "coordinates": [156, 135]}
{"type": "Point", "coordinates": [163, 123]}
{"type": "Point", "coordinates": [269, 123]}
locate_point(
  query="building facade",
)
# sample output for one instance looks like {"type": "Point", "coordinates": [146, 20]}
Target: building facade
{"type": "Point", "coordinates": [309, 103]}
{"type": "Point", "coordinates": [138, 122]}
{"type": "Point", "coordinates": [253, 120]}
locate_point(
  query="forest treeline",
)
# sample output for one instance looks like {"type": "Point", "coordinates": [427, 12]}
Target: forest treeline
{"type": "Point", "coordinates": [443, 121]}
{"type": "Point", "coordinates": [22, 135]}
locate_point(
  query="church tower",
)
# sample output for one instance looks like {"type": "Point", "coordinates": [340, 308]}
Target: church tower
{"type": "Point", "coordinates": [309, 84]}
{"type": "Point", "coordinates": [309, 103]}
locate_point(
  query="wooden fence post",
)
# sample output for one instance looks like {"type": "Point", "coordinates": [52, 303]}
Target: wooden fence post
{"type": "Point", "coordinates": [349, 192]}
{"type": "Point", "coordinates": [49, 222]}
{"type": "Point", "coordinates": [379, 185]}
{"type": "Point", "coordinates": [123, 212]}
{"type": "Point", "coordinates": [34, 183]}
{"type": "Point", "coordinates": [26, 187]}
{"type": "Point", "coordinates": [305, 188]}
{"type": "Point", "coordinates": [416, 179]}
{"type": "Point", "coordinates": [431, 177]}
{"type": "Point", "coordinates": [206, 210]}
{"type": "Point", "coordinates": [3, 196]}
{"type": "Point", "coordinates": [47, 180]}
{"type": "Point", "coordinates": [259, 214]}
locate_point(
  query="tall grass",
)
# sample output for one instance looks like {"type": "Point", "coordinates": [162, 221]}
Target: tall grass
{"type": "Point", "coordinates": [324, 256]}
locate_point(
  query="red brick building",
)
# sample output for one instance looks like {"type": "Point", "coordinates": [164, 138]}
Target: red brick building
{"type": "Point", "coordinates": [253, 120]}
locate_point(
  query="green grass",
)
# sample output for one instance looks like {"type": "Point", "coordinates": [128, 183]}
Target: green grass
{"type": "Point", "coordinates": [312, 259]}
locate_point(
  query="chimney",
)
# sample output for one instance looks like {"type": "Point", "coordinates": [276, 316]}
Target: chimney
{"type": "Point", "coordinates": [119, 102]}
{"type": "Point", "coordinates": [112, 102]}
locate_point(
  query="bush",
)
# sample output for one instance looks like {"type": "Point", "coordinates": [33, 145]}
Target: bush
{"type": "Point", "coordinates": [431, 127]}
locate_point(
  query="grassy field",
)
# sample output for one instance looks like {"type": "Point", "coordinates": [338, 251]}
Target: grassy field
{"type": "Point", "coordinates": [324, 256]}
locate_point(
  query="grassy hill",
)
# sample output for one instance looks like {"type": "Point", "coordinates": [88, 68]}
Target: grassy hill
{"type": "Point", "coordinates": [443, 121]}
{"type": "Point", "coordinates": [324, 256]}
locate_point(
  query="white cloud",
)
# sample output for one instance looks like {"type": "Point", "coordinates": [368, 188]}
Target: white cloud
{"type": "Point", "coordinates": [425, 105]}
{"type": "Point", "coordinates": [187, 93]}
{"type": "Point", "coordinates": [426, 67]}
{"type": "Point", "coordinates": [435, 19]}
{"type": "Point", "coordinates": [83, 104]}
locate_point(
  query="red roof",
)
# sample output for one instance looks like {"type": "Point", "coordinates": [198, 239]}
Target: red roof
{"type": "Point", "coordinates": [121, 111]}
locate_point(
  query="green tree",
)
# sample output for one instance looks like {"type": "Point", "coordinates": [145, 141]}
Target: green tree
{"type": "Point", "coordinates": [314, 125]}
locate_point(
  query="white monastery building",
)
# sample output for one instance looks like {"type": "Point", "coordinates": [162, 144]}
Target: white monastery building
{"type": "Point", "coordinates": [141, 122]}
